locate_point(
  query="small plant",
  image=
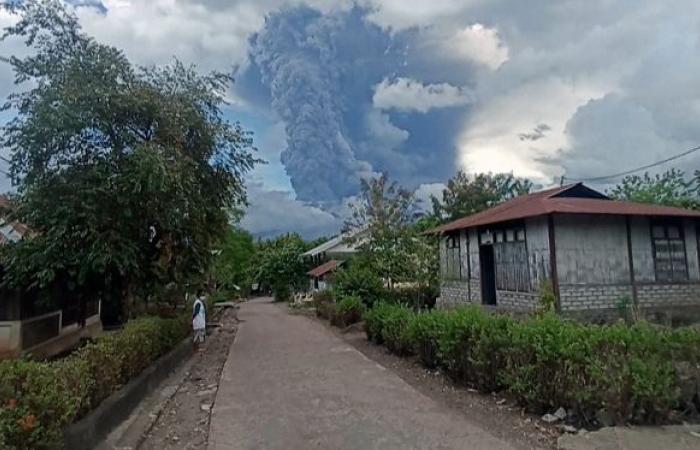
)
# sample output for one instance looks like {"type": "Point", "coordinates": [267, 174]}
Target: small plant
{"type": "Point", "coordinates": [348, 311]}
{"type": "Point", "coordinates": [547, 301]}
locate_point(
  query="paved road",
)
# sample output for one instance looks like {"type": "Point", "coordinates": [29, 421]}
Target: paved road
{"type": "Point", "coordinates": [289, 383]}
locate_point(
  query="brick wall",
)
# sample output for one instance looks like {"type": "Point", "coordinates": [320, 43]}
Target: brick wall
{"type": "Point", "coordinates": [455, 293]}
{"type": "Point", "coordinates": [516, 301]}
{"type": "Point", "coordinates": [592, 297]}
{"type": "Point", "coordinates": [663, 295]}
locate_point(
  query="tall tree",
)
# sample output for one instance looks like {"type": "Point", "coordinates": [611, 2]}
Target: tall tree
{"type": "Point", "coordinates": [671, 188]}
{"type": "Point", "coordinates": [234, 258]}
{"type": "Point", "coordinates": [125, 174]}
{"type": "Point", "coordinates": [385, 211]}
{"type": "Point", "coordinates": [468, 194]}
{"type": "Point", "coordinates": [279, 265]}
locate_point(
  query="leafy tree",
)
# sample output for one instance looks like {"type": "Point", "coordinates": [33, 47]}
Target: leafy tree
{"type": "Point", "coordinates": [386, 211]}
{"type": "Point", "coordinates": [468, 194]}
{"type": "Point", "coordinates": [279, 265]}
{"type": "Point", "coordinates": [125, 174]}
{"type": "Point", "coordinates": [232, 263]}
{"type": "Point", "coordinates": [671, 188]}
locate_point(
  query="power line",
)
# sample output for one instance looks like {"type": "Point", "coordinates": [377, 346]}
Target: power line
{"type": "Point", "coordinates": [631, 171]}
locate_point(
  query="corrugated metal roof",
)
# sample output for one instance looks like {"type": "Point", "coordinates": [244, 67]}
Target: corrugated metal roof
{"type": "Point", "coordinates": [324, 268]}
{"type": "Point", "coordinates": [555, 200]}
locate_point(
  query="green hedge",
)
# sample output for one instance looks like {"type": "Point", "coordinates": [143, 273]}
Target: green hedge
{"type": "Point", "coordinates": [39, 399]}
{"type": "Point", "coordinates": [633, 373]}
{"type": "Point", "coordinates": [348, 311]}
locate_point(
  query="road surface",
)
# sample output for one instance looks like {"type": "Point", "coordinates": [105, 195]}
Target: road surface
{"type": "Point", "coordinates": [290, 383]}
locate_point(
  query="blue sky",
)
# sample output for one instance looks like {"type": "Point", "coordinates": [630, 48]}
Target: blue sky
{"type": "Point", "coordinates": [338, 90]}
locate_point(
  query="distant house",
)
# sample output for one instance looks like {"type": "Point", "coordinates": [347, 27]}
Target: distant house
{"type": "Point", "coordinates": [329, 256]}
{"type": "Point", "coordinates": [598, 255]}
{"type": "Point", "coordinates": [40, 322]}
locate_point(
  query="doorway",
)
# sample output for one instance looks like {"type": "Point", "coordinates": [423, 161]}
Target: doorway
{"type": "Point", "coordinates": [488, 275]}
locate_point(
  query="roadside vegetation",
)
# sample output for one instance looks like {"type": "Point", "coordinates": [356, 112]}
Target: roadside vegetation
{"type": "Point", "coordinates": [39, 399]}
{"type": "Point", "coordinates": [600, 374]}
{"type": "Point", "coordinates": [129, 179]}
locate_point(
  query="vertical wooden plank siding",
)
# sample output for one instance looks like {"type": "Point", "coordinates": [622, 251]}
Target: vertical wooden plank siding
{"type": "Point", "coordinates": [630, 258]}
{"type": "Point", "coordinates": [553, 260]}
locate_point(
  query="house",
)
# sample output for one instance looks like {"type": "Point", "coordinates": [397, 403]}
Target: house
{"type": "Point", "coordinates": [44, 322]}
{"type": "Point", "coordinates": [320, 278]}
{"type": "Point", "coordinates": [597, 255]}
{"type": "Point", "coordinates": [327, 257]}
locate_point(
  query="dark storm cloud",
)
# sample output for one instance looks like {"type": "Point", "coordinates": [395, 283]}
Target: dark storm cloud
{"type": "Point", "coordinates": [321, 72]}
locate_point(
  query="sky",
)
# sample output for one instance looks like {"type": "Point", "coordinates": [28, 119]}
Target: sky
{"type": "Point", "coordinates": [336, 91]}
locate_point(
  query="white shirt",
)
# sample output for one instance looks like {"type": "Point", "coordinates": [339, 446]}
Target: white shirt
{"type": "Point", "coordinates": [199, 322]}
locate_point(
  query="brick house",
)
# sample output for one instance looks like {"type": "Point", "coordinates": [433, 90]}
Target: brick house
{"type": "Point", "coordinates": [597, 254]}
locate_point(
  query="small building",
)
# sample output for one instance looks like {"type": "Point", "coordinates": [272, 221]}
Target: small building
{"type": "Point", "coordinates": [43, 322]}
{"type": "Point", "coordinates": [329, 256]}
{"type": "Point", "coordinates": [597, 256]}
{"type": "Point", "coordinates": [321, 277]}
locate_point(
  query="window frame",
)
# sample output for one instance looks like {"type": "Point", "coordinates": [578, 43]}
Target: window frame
{"type": "Point", "coordinates": [666, 224]}
{"type": "Point", "coordinates": [453, 241]}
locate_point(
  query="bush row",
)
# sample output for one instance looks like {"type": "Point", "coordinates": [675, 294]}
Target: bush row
{"type": "Point", "coordinates": [39, 399]}
{"type": "Point", "coordinates": [347, 311]}
{"type": "Point", "coordinates": [637, 374]}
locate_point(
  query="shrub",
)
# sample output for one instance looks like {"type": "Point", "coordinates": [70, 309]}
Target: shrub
{"type": "Point", "coordinates": [395, 330]}
{"type": "Point", "coordinates": [358, 280]}
{"type": "Point", "coordinates": [636, 374]}
{"type": "Point", "coordinates": [39, 399]}
{"type": "Point", "coordinates": [419, 297]}
{"type": "Point", "coordinates": [324, 304]}
{"type": "Point", "coordinates": [424, 332]}
{"type": "Point", "coordinates": [374, 321]}
{"type": "Point", "coordinates": [348, 311]}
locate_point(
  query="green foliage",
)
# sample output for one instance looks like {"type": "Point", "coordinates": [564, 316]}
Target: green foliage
{"type": "Point", "coordinates": [279, 265]}
{"type": "Point", "coordinates": [395, 330]}
{"type": "Point", "coordinates": [416, 297]}
{"type": "Point", "coordinates": [231, 266]}
{"type": "Point", "coordinates": [466, 194]}
{"type": "Point", "coordinates": [126, 174]}
{"type": "Point", "coordinates": [632, 372]}
{"type": "Point", "coordinates": [348, 311]}
{"type": "Point", "coordinates": [671, 188]}
{"type": "Point", "coordinates": [324, 304]}
{"type": "Point", "coordinates": [358, 279]}
{"type": "Point", "coordinates": [547, 301]}
{"type": "Point", "coordinates": [39, 399]}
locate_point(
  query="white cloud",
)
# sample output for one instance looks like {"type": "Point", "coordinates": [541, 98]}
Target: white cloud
{"type": "Point", "coordinates": [479, 44]}
{"type": "Point", "coordinates": [491, 141]}
{"type": "Point", "coordinates": [405, 94]}
{"type": "Point", "coordinates": [274, 212]}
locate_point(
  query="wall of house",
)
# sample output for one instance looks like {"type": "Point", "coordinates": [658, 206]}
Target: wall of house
{"type": "Point", "coordinates": [593, 267]}
{"type": "Point", "coordinates": [537, 235]}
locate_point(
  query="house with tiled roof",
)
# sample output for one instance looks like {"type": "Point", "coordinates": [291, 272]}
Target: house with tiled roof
{"type": "Point", "coordinates": [41, 322]}
{"type": "Point", "coordinates": [329, 256]}
{"type": "Point", "coordinates": [597, 256]}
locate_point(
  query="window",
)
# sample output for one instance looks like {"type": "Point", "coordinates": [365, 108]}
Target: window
{"type": "Point", "coordinates": [668, 246]}
{"type": "Point", "coordinates": [510, 256]}
{"type": "Point", "coordinates": [453, 260]}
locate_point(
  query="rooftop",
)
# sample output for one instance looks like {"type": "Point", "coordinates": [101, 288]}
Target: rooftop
{"type": "Point", "coordinates": [324, 268]}
{"type": "Point", "coordinates": [570, 199]}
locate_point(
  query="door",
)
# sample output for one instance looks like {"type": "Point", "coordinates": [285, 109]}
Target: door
{"type": "Point", "coordinates": [488, 275]}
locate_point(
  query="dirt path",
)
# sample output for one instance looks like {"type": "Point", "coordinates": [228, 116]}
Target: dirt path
{"type": "Point", "coordinates": [291, 383]}
{"type": "Point", "coordinates": [176, 416]}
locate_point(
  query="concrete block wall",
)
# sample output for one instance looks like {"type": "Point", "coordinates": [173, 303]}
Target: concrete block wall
{"type": "Point", "coordinates": [516, 301]}
{"type": "Point", "coordinates": [455, 293]}
{"type": "Point", "coordinates": [591, 297]}
{"type": "Point", "coordinates": [666, 295]}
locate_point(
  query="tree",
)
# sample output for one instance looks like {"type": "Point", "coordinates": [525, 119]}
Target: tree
{"type": "Point", "coordinates": [125, 174]}
{"type": "Point", "coordinates": [279, 265]}
{"type": "Point", "coordinates": [671, 188]}
{"type": "Point", "coordinates": [385, 212]}
{"type": "Point", "coordinates": [468, 194]}
{"type": "Point", "coordinates": [235, 255]}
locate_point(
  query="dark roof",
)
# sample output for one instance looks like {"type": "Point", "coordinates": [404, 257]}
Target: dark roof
{"type": "Point", "coordinates": [571, 199]}
{"type": "Point", "coordinates": [324, 268]}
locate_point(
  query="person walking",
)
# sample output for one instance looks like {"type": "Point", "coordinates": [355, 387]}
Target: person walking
{"type": "Point", "coordinates": [199, 320]}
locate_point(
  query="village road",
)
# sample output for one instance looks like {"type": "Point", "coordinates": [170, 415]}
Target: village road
{"type": "Point", "coordinates": [290, 383]}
